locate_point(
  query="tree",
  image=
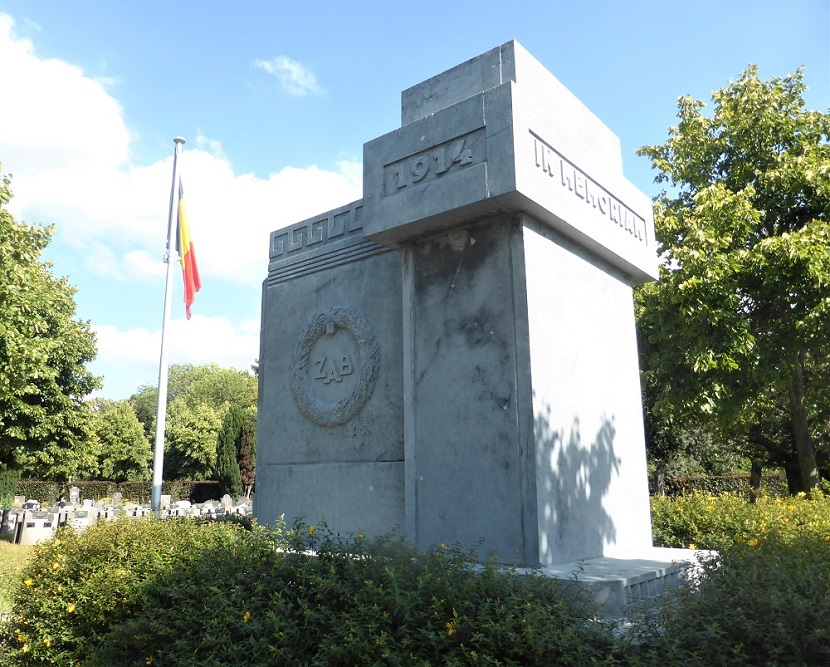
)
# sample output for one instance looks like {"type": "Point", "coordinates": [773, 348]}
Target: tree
{"type": "Point", "coordinates": [738, 322]}
{"type": "Point", "coordinates": [227, 465]}
{"type": "Point", "coordinates": [124, 453]}
{"type": "Point", "coordinates": [190, 440]}
{"type": "Point", "coordinates": [207, 384]}
{"type": "Point", "coordinates": [44, 422]}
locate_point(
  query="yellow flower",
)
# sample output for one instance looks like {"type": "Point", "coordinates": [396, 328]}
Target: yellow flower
{"type": "Point", "coordinates": [148, 661]}
{"type": "Point", "coordinates": [22, 638]}
{"type": "Point", "coordinates": [246, 617]}
{"type": "Point", "coordinates": [28, 582]}
{"type": "Point", "coordinates": [801, 494]}
{"type": "Point", "coordinates": [753, 542]}
{"type": "Point", "coordinates": [70, 608]}
{"type": "Point", "coordinates": [360, 536]}
{"type": "Point", "coordinates": [443, 547]}
{"type": "Point", "coordinates": [47, 642]}
{"type": "Point", "coordinates": [452, 627]}
{"type": "Point", "coordinates": [311, 530]}
{"type": "Point", "coordinates": [25, 648]}
{"type": "Point", "coordinates": [55, 566]}
{"type": "Point", "coordinates": [693, 546]}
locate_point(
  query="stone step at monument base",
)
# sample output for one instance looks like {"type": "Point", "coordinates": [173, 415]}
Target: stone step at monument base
{"type": "Point", "coordinates": [616, 582]}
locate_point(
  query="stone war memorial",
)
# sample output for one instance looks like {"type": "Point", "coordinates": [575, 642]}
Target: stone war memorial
{"type": "Point", "coordinates": [453, 358]}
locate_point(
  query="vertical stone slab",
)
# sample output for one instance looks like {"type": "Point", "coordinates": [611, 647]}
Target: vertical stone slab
{"type": "Point", "coordinates": [330, 431]}
{"type": "Point", "coordinates": [469, 475]}
{"type": "Point", "coordinates": [592, 495]}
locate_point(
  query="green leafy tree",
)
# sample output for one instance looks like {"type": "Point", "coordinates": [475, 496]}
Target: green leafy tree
{"type": "Point", "coordinates": [247, 451]}
{"type": "Point", "coordinates": [740, 319]}
{"type": "Point", "coordinates": [208, 384]}
{"type": "Point", "coordinates": [227, 465]}
{"type": "Point", "coordinates": [124, 453]}
{"type": "Point", "coordinates": [190, 440]}
{"type": "Point", "coordinates": [44, 422]}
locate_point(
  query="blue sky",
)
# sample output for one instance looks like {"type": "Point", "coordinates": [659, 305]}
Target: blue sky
{"type": "Point", "coordinates": [276, 100]}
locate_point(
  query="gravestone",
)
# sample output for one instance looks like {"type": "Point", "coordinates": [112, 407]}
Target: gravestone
{"type": "Point", "coordinates": [453, 357]}
{"type": "Point", "coordinates": [74, 496]}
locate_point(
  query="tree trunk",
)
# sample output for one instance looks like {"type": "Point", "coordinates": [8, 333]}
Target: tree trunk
{"type": "Point", "coordinates": [798, 413]}
{"type": "Point", "coordinates": [755, 480]}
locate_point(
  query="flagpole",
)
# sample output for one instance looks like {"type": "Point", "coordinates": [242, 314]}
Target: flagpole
{"type": "Point", "coordinates": [161, 408]}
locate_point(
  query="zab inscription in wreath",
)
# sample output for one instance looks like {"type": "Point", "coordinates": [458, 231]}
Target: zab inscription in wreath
{"type": "Point", "coordinates": [334, 367]}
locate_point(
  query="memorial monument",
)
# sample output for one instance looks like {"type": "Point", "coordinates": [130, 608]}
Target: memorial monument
{"type": "Point", "coordinates": [453, 357]}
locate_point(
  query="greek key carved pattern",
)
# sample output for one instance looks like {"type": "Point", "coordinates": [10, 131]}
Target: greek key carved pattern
{"type": "Point", "coordinates": [333, 226]}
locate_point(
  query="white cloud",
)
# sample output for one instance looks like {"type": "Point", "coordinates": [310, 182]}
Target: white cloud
{"type": "Point", "coordinates": [66, 142]}
{"type": "Point", "coordinates": [294, 77]}
{"type": "Point", "coordinates": [197, 341]}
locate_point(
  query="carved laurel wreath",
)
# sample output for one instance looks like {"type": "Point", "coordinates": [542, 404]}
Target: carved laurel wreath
{"type": "Point", "coordinates": [331, 413]}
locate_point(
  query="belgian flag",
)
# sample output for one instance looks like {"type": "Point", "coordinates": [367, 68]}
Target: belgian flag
{"type": "Point", "coordinates": [184, 244]}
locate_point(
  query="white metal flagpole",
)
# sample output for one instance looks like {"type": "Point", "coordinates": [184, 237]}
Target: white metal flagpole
{"type": "Point", "coordinates": [161, 408]}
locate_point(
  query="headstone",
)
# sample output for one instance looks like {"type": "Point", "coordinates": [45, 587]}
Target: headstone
{"type": "Point", "coordinates": [88, 502]}
{"type": "Point", "coordinates": [454, 356]}
{"type": "Point", "coordinates": [227, 502]}
{"type": "Point", "coordinates": [37, 526]}
{"type": "Point", "coordinates": [164, 502]}
{"type": "Point", "coordinates": [19, 500]}
{"type": "Point", "coordinates": [117, 498]}
{"type": "Point", "coordinates": [74, 496]}
{"type": "Point", "coordinates": [10, 525]}
{"type": "Point", "coordinates": [32, 505]}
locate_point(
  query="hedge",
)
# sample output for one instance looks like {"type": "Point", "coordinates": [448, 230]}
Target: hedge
{"type": "Point", "coordinates": [736, 483]}
{"type": "Point", "coordinates": [48, 493]}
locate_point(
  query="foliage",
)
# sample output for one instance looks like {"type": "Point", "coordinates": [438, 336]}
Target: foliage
{"type": "Point", "coordinates": [167, 593]}
{"type": "Point", "coordinates": [124, 453]}
{"type": "Point", "coordinates": [762, 601]}
{"type": "Point", "coordinates": [190, 440]}
{"type": "Point", "coordinates": [43, 351]}
{"type": "Point", "coordinates": [94, 489]}
{"type": "Point", "coordinates": [737, 484]}
{"type": "Point", "coordinates": [46, 492]}
{"type": "Point", "coordinates": [720, 522]}
{"type": "Point", "coordinates": [80, 585]}
{"type": "Point", "coordinates": [736, 330]}
{"type": "Point", "coordinates": [208, 384]}
{"type": "Point", "coordinates": [227, 466]}
{"type": "Point", "coordinates": [9, 481]}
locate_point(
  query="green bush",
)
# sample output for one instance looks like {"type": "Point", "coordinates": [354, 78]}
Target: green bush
{"type": "Point", "coordinates": [9, 481]}
{"type": "Point", "coordinates": [46, 492]}
{"type": "Point", "coordinates": [735, 483]}
{"type": "Point", "coordinates": [719, 522]}
{"type": "Point", "coordinates": [162, 592]}
{"type": "Point", "coordinates": [95, 490]}
{"type": "Point", "coordinates": [79, 586]}
{"type": "Point", "coordinates": [762, 602]}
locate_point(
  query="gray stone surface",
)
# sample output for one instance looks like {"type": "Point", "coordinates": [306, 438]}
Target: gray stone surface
{"type": "Point", "coordinates": [331, 391]}
{"type": "Point", "coordinates": [455, 354]}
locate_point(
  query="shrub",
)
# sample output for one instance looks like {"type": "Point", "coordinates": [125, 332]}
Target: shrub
{"type": "Point", "coordinates": [719, 522]}
{"type": "Point", "coordinates": [734, 483]}
{"type": "Point", "coordinates": [9, 481]}
{"type": "Point", "coordinates": [761, 602]}
{"type": "Point", "coordinates": [79, 586]}
{"type": "Point", "coordinates": [46, 492]}
{"type": "Point", "coordinates": [96, 490]}
{"type": "Point", "coordinates": [153, 592]}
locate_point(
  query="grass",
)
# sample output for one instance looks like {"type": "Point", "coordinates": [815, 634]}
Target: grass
{"type": "Point", "coordinates": [13, 558]}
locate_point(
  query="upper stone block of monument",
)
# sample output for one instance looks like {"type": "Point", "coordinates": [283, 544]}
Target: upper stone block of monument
{"type": "Point", "coordinates": [499, 133]}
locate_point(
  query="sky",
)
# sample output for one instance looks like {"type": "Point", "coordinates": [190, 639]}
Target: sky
{"type": "Point", "coordinates": [276, 100]}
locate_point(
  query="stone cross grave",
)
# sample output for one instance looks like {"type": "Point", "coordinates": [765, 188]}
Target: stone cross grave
{"type": "Point", "coordinates": [453, 357]}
